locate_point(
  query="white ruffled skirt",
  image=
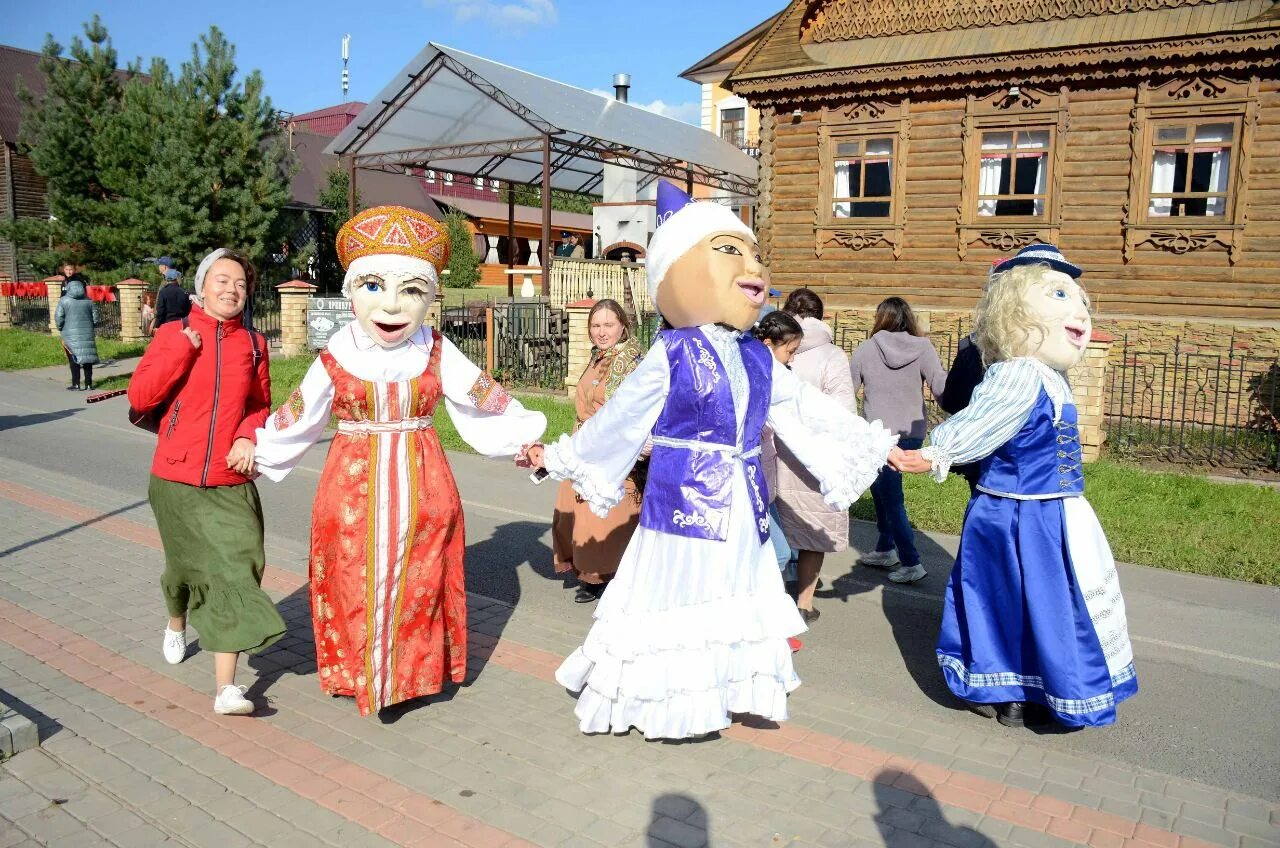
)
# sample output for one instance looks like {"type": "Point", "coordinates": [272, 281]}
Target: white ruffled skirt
{"type": "Point", "coordinates": [688, 632]}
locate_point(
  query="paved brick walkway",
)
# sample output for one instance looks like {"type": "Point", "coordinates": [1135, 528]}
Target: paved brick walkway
{"type": "Point", "coordinates": [133, 756]}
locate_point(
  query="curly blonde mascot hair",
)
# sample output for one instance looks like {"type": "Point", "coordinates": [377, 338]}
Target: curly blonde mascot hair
{"type": "Point", "coordinates": [1003, 326]}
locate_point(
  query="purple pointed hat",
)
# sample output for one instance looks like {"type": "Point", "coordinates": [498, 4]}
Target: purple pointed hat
{"type": "Point", "coordinates": [670, 201]}
{"type": "Point", "coordinates": [681, 223]}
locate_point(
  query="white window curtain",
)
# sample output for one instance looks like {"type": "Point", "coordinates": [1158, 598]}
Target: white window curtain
{"type": "Point", "coordinates": [989, 179]}
{"type": "Point", "coordinates": [842, 189]}
{"type": "Point", "coordinates": [1221, 164]}
{"type": "Point", "coordinates": [1163, 165]}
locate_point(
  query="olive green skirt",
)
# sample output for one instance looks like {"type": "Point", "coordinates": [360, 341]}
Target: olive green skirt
{"type": "Point", "coordinates": [213, 564]}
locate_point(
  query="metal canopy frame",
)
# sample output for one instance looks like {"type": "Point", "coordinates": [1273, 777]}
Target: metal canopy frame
{"type": "Point", "coordinates": [547, 149]}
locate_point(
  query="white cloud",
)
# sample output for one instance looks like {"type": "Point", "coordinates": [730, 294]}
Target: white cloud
{"type": "Point", "coordinates": [690, 112]}
{"type": "Point", "coordinates": [517, 14]}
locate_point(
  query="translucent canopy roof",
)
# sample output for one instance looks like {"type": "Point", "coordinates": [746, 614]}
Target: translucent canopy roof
{"type": "Point", "coordinates": [452, 111]}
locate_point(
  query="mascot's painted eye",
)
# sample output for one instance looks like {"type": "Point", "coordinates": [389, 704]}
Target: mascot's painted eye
{"type": "Point", "coordinates": [730, 249]}
{"type": "Point", "coordinates": [413, 291]}
{"type": "Point", "coordinates": [372, 286]}
{"type": "Point", "coordinates": [1060, 293]}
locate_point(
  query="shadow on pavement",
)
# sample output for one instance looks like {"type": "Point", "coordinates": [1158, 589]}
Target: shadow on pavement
{"type": "Point", "coordinates": [677, 820]}
{"type": "Point", "coordinates": [914, 612]}
{"type": "Point", "coordinates": [13, 422]}
{"type": "Point", "coordinates": [899, 826]}
{"type": "Point", "coordinates": [74, 527]}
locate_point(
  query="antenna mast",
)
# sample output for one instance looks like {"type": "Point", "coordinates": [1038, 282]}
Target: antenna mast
{"type": "Point", "coordinates": [346, 54]}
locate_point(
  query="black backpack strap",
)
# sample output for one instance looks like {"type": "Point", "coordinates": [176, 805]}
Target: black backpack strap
{"type": "Point", "coordinates": [257, 352]}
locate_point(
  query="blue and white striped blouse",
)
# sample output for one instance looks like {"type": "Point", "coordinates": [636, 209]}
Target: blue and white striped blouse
{"type": "Point", "coordinates": [1001, 404]}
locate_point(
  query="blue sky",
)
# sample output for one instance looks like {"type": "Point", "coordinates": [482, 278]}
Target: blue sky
{"type": "Point", "coordinates": [297, 45]}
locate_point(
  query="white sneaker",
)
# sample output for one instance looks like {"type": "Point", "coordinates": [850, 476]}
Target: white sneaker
{"type": "Point", "coordinates": [879, 559]}
{"type": "Point", "coordinates": [231, 701]}
{"type": "Point", "coordinates": [908, 574]}
{"type": "Point", "coordinates": [175, 646]}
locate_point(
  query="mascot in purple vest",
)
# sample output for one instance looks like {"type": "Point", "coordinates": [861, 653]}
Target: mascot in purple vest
{"type": "Point", "coordinates": [694, 626]}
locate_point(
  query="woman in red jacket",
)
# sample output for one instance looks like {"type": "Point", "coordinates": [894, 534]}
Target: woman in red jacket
{"type": "Point", "coordinates": [208, 375]}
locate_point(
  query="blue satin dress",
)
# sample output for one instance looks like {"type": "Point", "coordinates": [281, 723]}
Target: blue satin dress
{"type": "Point", "coordinates": [1033, 611]}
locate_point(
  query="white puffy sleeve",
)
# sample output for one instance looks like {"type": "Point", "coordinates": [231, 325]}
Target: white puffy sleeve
{"type": "Point", "coordinates": [845, 452]}
{"type": "Point", "coordinates": [296, 425]}
{"type": "Point", "coordinates": [486, 417]}
{"type": "Point", "coordinates": [598, 458]}
{"type": "Point", "coordinates": [1001, 404]}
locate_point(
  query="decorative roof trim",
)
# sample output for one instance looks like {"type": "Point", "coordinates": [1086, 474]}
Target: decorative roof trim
{"type": "Point", "coordinates": [1249, 51]}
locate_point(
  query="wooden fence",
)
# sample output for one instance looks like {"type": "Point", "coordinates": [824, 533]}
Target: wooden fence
{"type": "Point", "coordinates": [572, 279]}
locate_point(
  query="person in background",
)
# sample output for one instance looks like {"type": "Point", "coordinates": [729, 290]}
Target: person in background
{"type": "Point", "coordinates": [583, 543]}
{"type": "Point", "coordinates": [211, 381]}
{"type": "Point", "coordinates": [967, 371]}
{"type": "Point", "coordinates": [172, 303]}
{"type": "Point", "coordinates": [570, 247]}
{"type": "Point", "coordinates": [812, 525]}
{"type": "Point", "coordinates": [782, 335]}
{"type": "Point", "coordinates": [75, 318]}
{"type": "Point", "coordinates": [891, 368]}
{"type": "Point", "coordinates": [147, 317]}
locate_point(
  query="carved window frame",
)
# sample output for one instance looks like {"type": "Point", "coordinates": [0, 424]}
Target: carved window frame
{"type": "Point", "coordinates": [1190, 99]}
{"type": "Point", "coordinates": [1014, 108]}
{"type": "Point", "coordinates": [874, 119]}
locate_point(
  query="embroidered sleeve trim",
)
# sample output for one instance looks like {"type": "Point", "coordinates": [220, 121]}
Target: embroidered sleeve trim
{"type": "Point", "coordinates": [290, 411]}
{"type": "Point", "coordinates": [488, 395]}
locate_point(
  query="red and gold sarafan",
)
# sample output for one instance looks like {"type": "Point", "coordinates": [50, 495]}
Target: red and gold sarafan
{"type": "Point", "coordinates": [388, 601]}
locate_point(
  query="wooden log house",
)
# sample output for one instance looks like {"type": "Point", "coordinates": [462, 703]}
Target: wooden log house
{"type": "Point", "coordinates": [906, 144]}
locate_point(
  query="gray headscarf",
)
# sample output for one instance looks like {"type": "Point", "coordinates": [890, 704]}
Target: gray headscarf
{"type": "Point", "coordinates": [246, 317]}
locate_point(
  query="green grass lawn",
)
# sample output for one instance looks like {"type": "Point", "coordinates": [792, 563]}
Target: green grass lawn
{"type": "Point", "coordinates": [1181, 522]}
{"type": "Point", "coordinates": [21, 349]}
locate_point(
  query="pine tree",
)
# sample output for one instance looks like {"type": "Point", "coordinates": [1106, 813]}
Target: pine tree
{"type": "Point", "coordinates": [60, 133]}
{"type": "Point", "coordinates": [464, 265]}
{"type": "Point", "coordinates": [333, 195]}
{"type": "Point", "coordinates": [165, 163]}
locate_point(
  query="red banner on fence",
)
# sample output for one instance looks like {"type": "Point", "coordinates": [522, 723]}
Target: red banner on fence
{"type": "Point", "coordinates": [98, 294]}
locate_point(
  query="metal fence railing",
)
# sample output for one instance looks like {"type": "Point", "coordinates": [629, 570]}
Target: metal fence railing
{"type": "Point", "coordinates": [30, 313]}
{"type": "Point", "coordinates": [108, 319]}
{"type": "Point", "coordinates": [266, 312]}
{"type": "Point", "coordinates": [1192, 407]}
{"type": "Point", "coordinates": [530, 344]}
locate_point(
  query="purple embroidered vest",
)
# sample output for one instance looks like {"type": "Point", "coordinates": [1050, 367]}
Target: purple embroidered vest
{"type": "Point", "coordinates": [695, 450]}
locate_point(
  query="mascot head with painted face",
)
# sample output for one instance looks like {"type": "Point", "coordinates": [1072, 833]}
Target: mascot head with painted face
{"type": "Point", "coordinates": [393, 257]}
{"type": "Point", "coordinates": [703, 264]}
{"type": "Point", "coordinates": [1034, 306]}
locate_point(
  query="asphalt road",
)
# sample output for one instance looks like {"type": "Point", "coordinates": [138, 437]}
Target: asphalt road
{"type": "Point", "coordinates": [1208, 650]}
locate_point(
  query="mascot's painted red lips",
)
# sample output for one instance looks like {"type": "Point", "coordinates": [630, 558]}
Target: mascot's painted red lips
{"type": "Point", "coordinates": [754, 290]}
{"type": "Point", "coordinates": [1076, 335]}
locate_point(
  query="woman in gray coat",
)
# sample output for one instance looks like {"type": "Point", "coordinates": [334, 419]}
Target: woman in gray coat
{"type": "Point", "coordinates": [891, 368]}
{"type": "Point", "coordinates": [75, 318]}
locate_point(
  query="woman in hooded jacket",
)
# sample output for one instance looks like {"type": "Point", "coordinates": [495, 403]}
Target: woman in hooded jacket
{"type": "Point", "coordinates": [75, 318]}
{"type": "Point", "coordinates": [811, 525]}
{"type": "Point", "coordinates": [892, 367]}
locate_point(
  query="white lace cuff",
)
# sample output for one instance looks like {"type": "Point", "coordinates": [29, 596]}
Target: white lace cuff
{"type": "Point", "coordinates": [941, 461]}
{"type": "Point", "coordinates": [562, 463]}
{"type": "Point", "coordinates": [863, 452]}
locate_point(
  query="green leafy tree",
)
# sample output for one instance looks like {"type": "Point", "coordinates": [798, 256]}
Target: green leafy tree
{"type": "Point", "coordinates": [464, 265]}
{"type": "Point", "coordinates": [563, 201]}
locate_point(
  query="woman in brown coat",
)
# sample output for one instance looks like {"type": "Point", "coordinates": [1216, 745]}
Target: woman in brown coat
{"type": "Point", "coordinates": [582, 542]}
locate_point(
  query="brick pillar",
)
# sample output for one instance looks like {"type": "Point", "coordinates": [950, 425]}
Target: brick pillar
{"type": "Point", "coordinates": [6, 306]}
{"type": "Point", "coordinates": [293, 316]}
{"type": "Point", "coordinates": [54, 285]}
{"type": "Point", "coordinates": [1088, 385]}
{"type": "Point", "coordinates": [131, 292]}
{"type": "Point", "coordinates": [579, 342]}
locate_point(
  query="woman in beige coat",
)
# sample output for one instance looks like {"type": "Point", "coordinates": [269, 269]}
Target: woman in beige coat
{"type": "Point", "coordinates": [809, 523]}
